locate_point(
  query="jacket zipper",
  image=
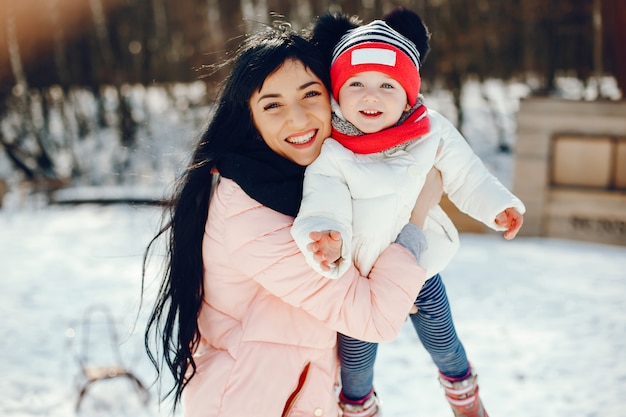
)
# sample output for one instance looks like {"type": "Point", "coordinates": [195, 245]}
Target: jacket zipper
{"type": "Point", "coordinates": [294, 395]}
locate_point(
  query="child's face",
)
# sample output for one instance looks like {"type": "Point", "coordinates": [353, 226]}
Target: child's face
{"type": "Point", "coordinates": [372, 101]}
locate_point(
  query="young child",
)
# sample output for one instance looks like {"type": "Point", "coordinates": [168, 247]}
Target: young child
{"type": "Point", "coordinates": [359, 192]}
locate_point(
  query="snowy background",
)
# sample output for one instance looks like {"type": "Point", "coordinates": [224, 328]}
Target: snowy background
{"type": "Point", "coordinates": [543, 320]}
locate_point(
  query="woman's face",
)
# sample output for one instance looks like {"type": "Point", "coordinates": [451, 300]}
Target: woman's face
{"type": "Point", "coordinates": [292, 112]}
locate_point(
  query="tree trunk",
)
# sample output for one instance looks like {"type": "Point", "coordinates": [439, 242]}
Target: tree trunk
{"type": "Point", "coordinates": [614, 24]}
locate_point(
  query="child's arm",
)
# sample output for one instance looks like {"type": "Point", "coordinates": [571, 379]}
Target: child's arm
{"type": "Point", "coordinates": [468, 182]}
{"type": "Point", "coordinates": [512, 220]}
{"type": "Point", "coordinates": [326, 248]}
{"type": "Point", "coordinates": [326, 205]}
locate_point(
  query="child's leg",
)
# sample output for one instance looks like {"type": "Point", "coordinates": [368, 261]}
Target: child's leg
{"type": "Point", "coordinates": [435, 328]}
{"type": "Point", "coordinates": [357, 367]}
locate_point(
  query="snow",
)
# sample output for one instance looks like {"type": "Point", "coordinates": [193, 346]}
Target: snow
{"type": "Point", "coordinates": [543, 320]}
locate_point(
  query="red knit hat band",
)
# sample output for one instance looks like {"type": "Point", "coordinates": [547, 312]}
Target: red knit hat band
{"type": "Point", "coordinates": [376, 56]}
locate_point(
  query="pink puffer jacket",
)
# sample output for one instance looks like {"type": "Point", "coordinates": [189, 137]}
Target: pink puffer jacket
{"type": "Point", "coordinates": [269, 322]}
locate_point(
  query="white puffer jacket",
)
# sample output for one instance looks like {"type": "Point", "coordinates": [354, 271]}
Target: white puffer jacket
{"type": "Point", "coordinates": [369, 198]}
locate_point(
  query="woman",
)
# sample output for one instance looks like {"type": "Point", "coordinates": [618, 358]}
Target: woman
{"type": "Point", "coordinates": [242, 322]}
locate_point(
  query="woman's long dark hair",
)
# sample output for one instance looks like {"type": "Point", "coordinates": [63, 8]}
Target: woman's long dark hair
{"type": "Point", "coordinates": [172, 324]}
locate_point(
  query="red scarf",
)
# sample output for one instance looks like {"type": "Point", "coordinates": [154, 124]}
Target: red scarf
{"type": "Point", "coordinates": [409, 130]}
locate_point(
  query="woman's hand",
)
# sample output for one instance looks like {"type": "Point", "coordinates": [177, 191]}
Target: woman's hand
{"type": "Point", "coordinates": [428, 197]}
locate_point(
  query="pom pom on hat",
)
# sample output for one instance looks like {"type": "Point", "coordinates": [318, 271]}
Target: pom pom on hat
{"type": "Point", "coordinates": [328, 30]}
{"type": "Point", "coordinates": [376, 47]}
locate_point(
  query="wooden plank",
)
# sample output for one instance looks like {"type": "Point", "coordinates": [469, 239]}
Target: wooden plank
{"type": "Point", "coordinates": [609, 231]}
{"type": "Point", "coordinates": [530, 176]}
{"type": "Point", "coordinates": [582, 161]}
{"type": "Point", "coordinates": [620, 165]}
{"type": "Point", "coordinates": [587, 215]}
{"type": "Point", "coordinates": [462, 221]}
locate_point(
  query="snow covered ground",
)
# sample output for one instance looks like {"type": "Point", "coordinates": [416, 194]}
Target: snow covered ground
{"type": "Point", "coordinates": [543, 320]}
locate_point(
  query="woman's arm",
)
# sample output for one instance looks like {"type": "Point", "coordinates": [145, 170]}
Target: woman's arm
{"type": "Point", "coordinates": [429, 196]}
{"type": "Point", "coordinates": [259, 244]}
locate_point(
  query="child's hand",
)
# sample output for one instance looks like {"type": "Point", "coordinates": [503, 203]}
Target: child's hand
{"type": "Point", "coordinates": [512, 220]}
{"type": "Point", "coordinates": [326, 248]}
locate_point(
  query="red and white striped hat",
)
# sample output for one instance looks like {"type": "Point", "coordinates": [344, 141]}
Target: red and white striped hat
{"type": "Point", "coordinates": [376, 47]}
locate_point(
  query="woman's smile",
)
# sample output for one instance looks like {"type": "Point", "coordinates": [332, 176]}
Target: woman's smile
{"type": "Point", "coordinates": [302, 139]}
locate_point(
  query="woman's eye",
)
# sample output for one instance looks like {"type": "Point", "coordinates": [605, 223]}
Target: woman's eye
{"type": "Point", "coordinates": [313, 93]}
{"type": "Point", "coordinates": [270, 106]}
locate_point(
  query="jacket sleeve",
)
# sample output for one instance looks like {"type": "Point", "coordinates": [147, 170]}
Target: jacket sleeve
{"type": "Point", "coordinates": [466, 180]}
{"type": "Point", "coordinates": [326, 205]}
{"type": "Point", "coordinates": [374, 308]}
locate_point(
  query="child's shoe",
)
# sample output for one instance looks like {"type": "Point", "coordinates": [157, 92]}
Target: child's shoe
{"type": "Point", "coordinates": [463, 396]}
{"type": "Point", "coordinates": [369, 408]}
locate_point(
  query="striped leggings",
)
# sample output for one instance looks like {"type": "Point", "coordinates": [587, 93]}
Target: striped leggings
{"type": "Point", "coordinates": [435, 329]}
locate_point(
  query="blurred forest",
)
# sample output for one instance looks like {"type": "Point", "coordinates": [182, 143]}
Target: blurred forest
{"type": "Point", "coordinates": [48, 48]}
{"type": "Point", "coordinates": [96, 42]}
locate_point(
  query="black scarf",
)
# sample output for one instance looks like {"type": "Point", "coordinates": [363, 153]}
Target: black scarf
{"type": "Point", "coordinates": [267, 177]}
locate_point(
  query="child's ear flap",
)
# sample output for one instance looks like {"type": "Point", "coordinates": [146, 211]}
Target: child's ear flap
{"type": "Point", "coordinates": [410, 25]}
{"type": "Point", "coordinates": [328, 30]}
